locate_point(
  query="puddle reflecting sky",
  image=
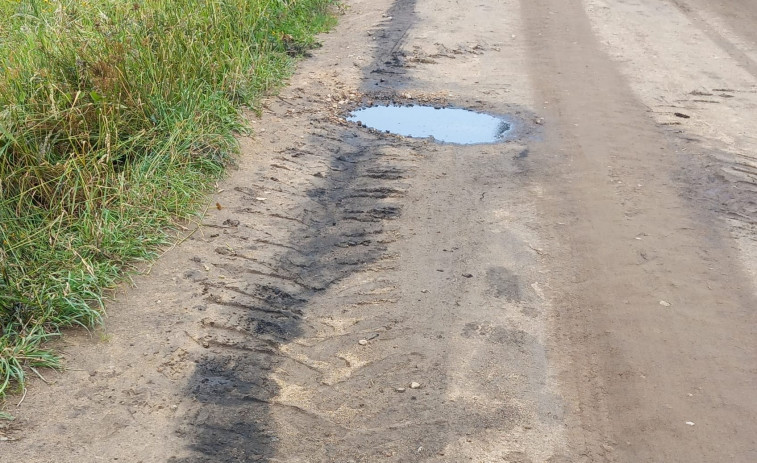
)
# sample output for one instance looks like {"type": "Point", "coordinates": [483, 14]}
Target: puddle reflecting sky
{"type": "Point", "coordinates": [448, 125]}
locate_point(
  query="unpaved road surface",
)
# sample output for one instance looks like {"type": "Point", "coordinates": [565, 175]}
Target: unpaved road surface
{"type": "Point", "coordinates": [583, 292]}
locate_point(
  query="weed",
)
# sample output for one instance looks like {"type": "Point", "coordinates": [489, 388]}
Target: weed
{"type": "Point", "coordinates": [115, 118]}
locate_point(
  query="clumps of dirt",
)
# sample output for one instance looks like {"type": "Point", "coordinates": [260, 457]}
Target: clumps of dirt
{"type": "Point", "coordinates": [8, 429]}
{"type": "Point", "coordinates": [346, 101]}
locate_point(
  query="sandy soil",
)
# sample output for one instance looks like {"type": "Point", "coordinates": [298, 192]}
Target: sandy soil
{"type": "Point", "coordinates": [583, 292]}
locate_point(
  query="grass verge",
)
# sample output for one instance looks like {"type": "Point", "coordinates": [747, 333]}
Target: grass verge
{"type": "Point", "coordinates": [116, 117]}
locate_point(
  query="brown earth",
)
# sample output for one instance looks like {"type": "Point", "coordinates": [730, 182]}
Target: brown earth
{"type": "Point", "coordinates": [582, 292]}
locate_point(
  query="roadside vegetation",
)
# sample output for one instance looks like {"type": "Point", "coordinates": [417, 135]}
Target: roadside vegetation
{"type": "Point", "coordinates": [116, 117]}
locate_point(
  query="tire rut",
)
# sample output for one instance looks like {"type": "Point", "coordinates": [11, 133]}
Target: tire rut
{"type": "Point", "coordinates": [338, 227]}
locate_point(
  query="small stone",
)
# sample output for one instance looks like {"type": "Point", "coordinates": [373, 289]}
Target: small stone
{"type": "Point", "coordinates": [690, 423]}
{"type": "Point", "coordinates": [665, 303]}
{"type": "Point", "coordinates": [363, 342]}
{"type": "Point", "coordinates": [415, 385]}
{"type": "Point", "coordinates": [400, 389]}
{"type": "Point", "coordinates": [467, 275]}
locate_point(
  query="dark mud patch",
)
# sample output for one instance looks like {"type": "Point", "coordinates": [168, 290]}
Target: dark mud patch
{"type": "Point", "coordinates": [388, 67]}
{"type": "Point", "coordinates": [503, 284]}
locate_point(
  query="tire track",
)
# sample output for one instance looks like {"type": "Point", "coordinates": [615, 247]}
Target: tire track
{"type": "Point", "coordinates": [335, 229]}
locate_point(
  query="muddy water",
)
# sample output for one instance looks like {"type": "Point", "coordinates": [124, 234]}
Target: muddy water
{"type": "Point", "coordinates": [447, 125]}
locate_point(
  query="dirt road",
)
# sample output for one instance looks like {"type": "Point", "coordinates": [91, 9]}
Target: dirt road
{"type": "Point", "coordinates": [583, 292]}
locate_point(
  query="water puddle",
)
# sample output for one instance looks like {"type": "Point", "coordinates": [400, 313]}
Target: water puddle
{"type": "Point", "coordinates": [447, 125]}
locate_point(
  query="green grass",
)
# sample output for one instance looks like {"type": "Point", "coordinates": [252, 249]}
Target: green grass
{"type": "Point", "coordinates": [116, 117]}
